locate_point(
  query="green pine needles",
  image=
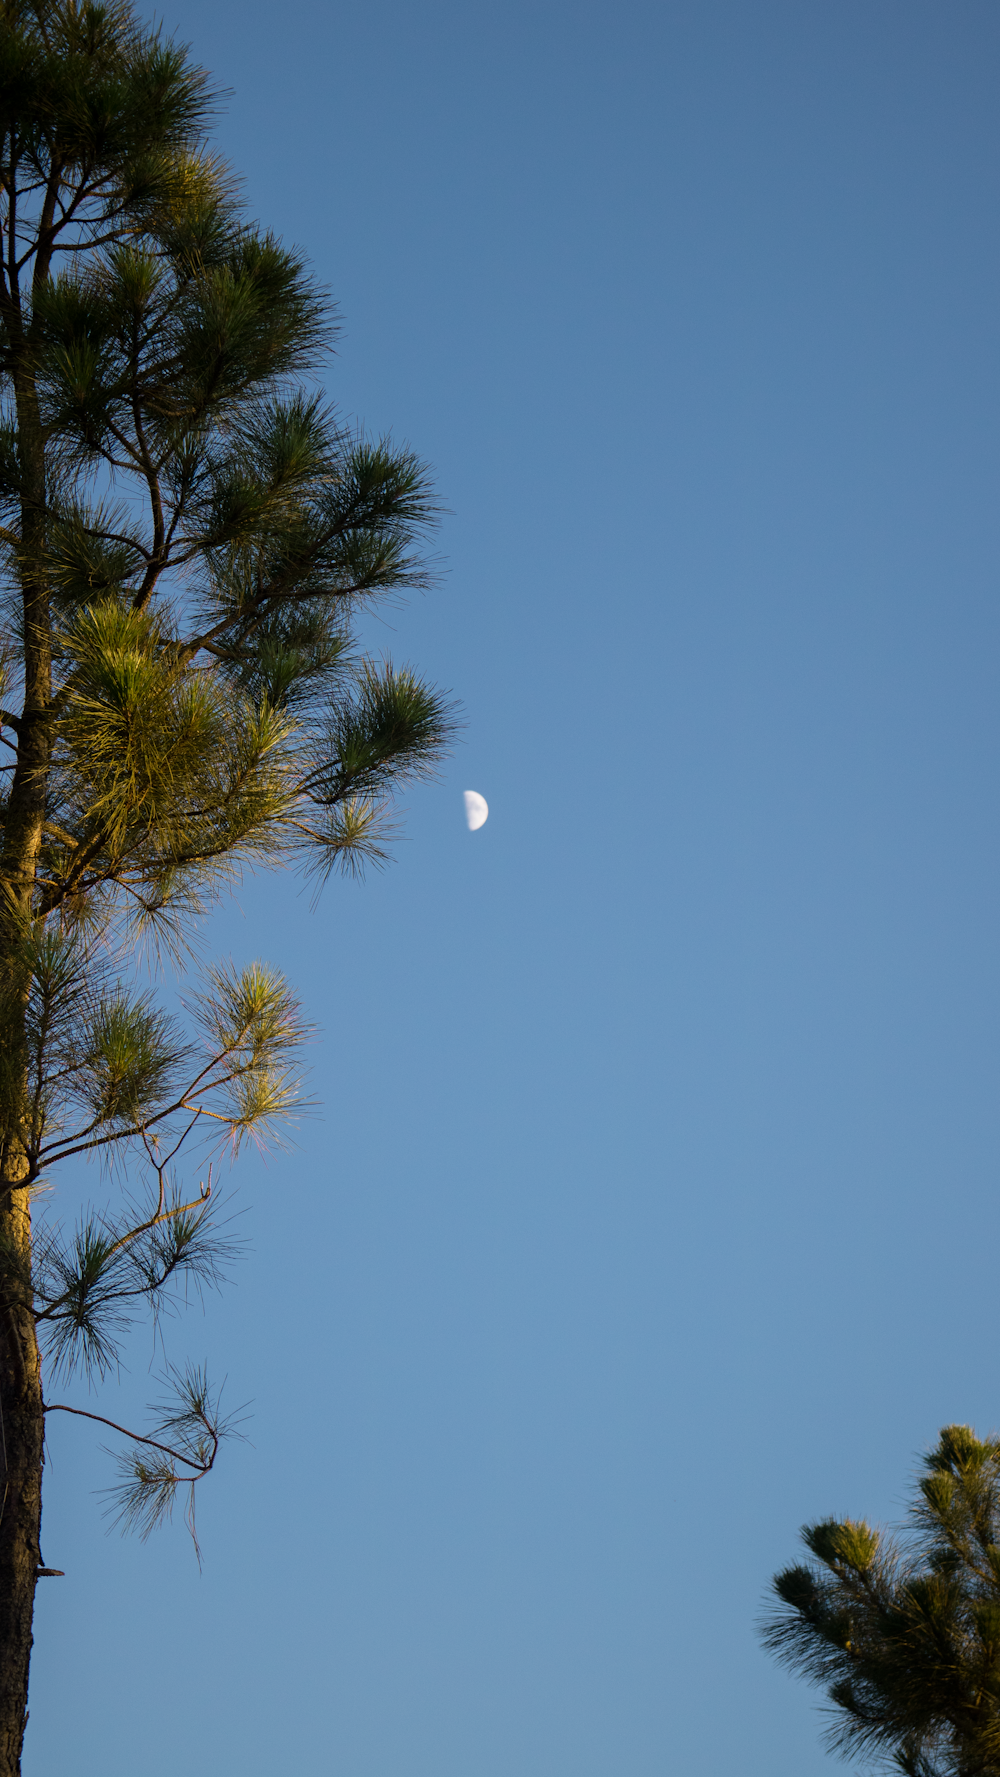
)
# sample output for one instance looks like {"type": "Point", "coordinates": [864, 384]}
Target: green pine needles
{"type": "Point", "coordinates": [189, 534]}
{"type": "Point", "coordinates": [904, 1633]}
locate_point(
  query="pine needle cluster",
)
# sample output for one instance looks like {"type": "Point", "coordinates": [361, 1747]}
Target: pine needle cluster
{"type": "Point", "coordinates": [904, 1632]}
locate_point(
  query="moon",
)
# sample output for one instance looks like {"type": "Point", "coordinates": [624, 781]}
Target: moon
{"type": "Point", "coordinates": [476, 809]}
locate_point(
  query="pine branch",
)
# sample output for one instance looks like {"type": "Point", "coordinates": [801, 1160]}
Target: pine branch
{"type": "Point", "coordinates": [202, 1468]}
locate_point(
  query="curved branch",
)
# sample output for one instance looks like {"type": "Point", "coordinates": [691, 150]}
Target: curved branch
{"type": "Point", "coordinates": [137, 1438]}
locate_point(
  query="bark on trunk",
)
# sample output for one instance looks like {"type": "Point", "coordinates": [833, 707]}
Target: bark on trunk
{"type": "Point", "coordinates": [22, 1426]}
{"type": "Point", "coordinates": [21, 1454]}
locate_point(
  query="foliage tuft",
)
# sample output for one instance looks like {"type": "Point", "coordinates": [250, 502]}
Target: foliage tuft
{"type": "Point", "coordinates": [904, 1635]}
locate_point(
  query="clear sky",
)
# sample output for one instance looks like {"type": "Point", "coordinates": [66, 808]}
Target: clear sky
{"type": "Point", "coordinates": [653, 1207]}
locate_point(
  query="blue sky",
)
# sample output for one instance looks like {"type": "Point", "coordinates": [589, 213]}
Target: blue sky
{"type": "Point", "coordinates": [653, 1206]}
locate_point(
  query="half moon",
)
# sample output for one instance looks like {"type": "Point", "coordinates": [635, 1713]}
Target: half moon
{"type": "Point", "coordinates": [476, 809]}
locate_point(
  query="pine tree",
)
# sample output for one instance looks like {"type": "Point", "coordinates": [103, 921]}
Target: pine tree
{"type": "Point", "coordinates": [188, 536]}
{"type": "Point", "coordinates": [905, 1632]}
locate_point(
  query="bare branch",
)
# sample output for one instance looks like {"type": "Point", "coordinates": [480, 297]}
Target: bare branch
{"type": "Point", "coordinates": [137, 1438]}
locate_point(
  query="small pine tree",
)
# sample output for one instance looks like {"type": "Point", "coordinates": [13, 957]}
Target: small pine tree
{"type": "Point", "coordinates": [905, 1632]}
{"type": "Point", "coordinates": [188, 533]}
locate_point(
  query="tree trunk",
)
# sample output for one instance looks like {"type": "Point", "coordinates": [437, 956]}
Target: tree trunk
{"type": "Point", "coordinates": [22, 1419]}
{"type": "Point", "coordinates": [22, 1427]}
